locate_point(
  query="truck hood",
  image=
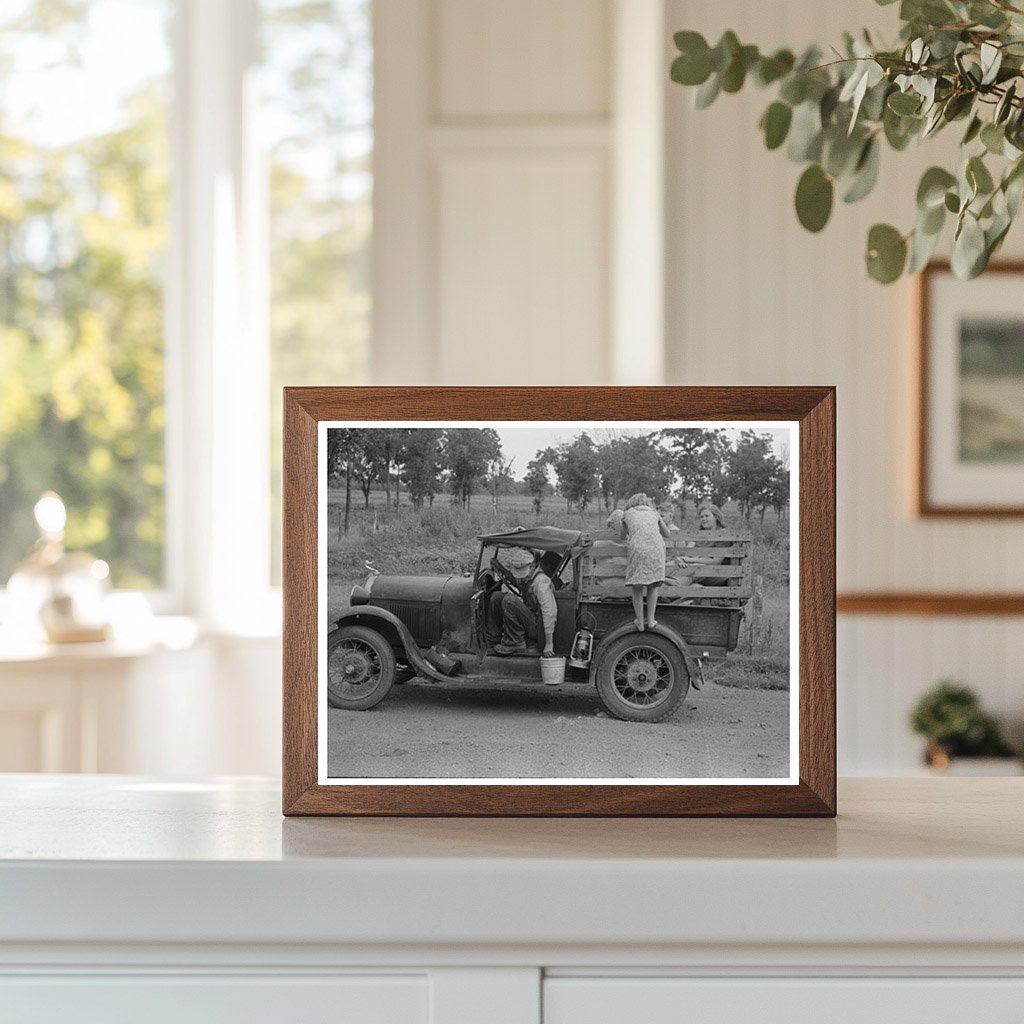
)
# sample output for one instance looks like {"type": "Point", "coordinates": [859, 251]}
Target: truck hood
{"type": "Point", "coordinates": [417, 589]}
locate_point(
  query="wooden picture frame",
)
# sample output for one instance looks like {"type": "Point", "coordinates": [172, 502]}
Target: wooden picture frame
{"type": "Point", "coordinates": [808, 413]}
{"type": "Point", "coordinates": [967, 463]}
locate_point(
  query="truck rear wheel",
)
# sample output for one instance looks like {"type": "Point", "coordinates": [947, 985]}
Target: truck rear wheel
{"type": "Point", "coordinates": [642, 678]}
{"type": "Point", "coordinates": [360, 668]}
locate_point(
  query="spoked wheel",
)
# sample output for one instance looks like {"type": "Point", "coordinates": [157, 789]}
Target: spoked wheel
{"type": "Point", "coordinates": [360, 668]}
{"type": "Point", "coordinates": [642, 678]}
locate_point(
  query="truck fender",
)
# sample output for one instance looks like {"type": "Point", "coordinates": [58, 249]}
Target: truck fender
{"type": "Point", "coordinates": [389, 626]}
{"type": "Point", "coordinates": [693, 665]}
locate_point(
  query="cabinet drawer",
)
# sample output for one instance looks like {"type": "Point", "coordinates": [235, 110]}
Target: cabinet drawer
{"type": "Point", "coordinates": [673, 1000]}
{"type": "Point", "coordinates": [202, 999]}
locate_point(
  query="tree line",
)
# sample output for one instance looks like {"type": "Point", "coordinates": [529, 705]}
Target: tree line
{"type": "Point", "coordinates": [687, 464]}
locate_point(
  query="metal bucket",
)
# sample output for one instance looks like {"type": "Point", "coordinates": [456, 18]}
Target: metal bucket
{"type": "Point", "coordinates": [552, 670]}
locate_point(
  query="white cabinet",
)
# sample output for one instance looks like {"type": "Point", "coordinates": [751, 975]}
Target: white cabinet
{"type": "Point", "coordinates": [244, 999]}
{"type": "Point", "coordinates": [824, 1000]}
{"type": "Point", "coordinates": [128, 898]}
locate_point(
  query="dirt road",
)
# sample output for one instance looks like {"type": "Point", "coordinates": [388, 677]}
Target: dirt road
{"type": "Point", "coordinates": [428, 730]}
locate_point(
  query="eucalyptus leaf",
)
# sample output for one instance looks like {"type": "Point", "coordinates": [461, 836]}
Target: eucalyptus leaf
{"type": "Point", "coordinates": [771, 69]}
{"type": "Point", "coordinates": [973, 129]}
{"type": "Point", "coordinates": [805, 133]}
{"type": "Point", "coordinates": [886, 253]}
{"type": "Point", "coordinates": [932, 221]}
{"type": "Point", "coordinates": [987, 15]}
{"type": "Point", "coordinates": [724, 51]}
{"type": "Point", "coordinates": [968, 247]}
{"type": "Point", "coordinates": [991, 61]}
{"type": "Point", "coordinates": [794, 88]}
{"type": "Point", "coordinates": [840, 152]}
{"type": "Point", "coordinates": [931, 190]}
{"type": "Point", "coordinates": [865, 173]}
{"type": "Point", "coordinates": [693, 65]}
{"type": "Point", "coordinates": [993, 138]}
{"type": "Point", "coordinates": [978, 176]}
{"type": "Point", "coordinates": [707, 93]}
{"type": "Point", "coordinates": [735, 74]}
{"type": "Point", "coordinates": [958, 105]}
{"type": "Point", "coordinates": [1005, 105]}
{"type": "Point", "coordinates": [814, 195]}
{"type": "Point", "coordinates": [922, 248]}
{"type": "Point", "coordinates": [903, 103]}
{"type": "Point", "coordinates": [775, 123]}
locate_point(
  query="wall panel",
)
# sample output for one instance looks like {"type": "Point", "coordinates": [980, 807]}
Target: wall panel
{"type": "Point", "coordinates": [521, 279]}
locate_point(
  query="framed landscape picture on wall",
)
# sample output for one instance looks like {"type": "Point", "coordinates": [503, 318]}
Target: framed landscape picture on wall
{"type": "Point", "coordinates": [970, 452]}
{"type": "Point", "coordinates": [559, 601]}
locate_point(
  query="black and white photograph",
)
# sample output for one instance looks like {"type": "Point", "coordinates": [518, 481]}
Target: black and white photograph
{"type": "Point", "coordinates": [556, 601]}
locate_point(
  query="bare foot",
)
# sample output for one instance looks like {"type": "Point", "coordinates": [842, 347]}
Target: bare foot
{"type": "Point", "coordinates": [652, 624]}
{"type": "Point", "coordinates": [639, 624]}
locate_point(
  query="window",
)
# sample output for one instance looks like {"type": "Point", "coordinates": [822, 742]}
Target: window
{"type": "Point", "coordinates": [185, 221]}
{"type": "Point", "coordinates": [83, 236]}
{"type": "Point", "coordinates": [317, 117]}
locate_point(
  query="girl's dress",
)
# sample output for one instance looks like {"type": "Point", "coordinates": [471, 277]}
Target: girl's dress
{"type": "Point", "coordinates": [645, 547]}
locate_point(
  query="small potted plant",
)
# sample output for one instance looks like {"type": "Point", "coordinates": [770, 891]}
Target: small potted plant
{"type": "Point", "coordinates": [950, 717]}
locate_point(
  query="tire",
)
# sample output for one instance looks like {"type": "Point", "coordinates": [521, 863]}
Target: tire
{"type": "Point", "coordinates": [360, 668]}
{"type": "Point", "coordinates": [642, 678]}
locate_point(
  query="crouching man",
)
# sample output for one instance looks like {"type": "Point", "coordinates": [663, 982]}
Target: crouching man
{"type": "Point", "coordinates": [532, 616]}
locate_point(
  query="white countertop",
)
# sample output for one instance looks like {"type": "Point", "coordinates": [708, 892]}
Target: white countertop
{"type": "Point", "coordinates": [121, 859]}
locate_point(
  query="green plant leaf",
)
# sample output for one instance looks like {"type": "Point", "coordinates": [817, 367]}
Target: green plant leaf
{"type": "Point", "coordinates": [958, 105]}
{"type": "Point", "coordinates": [931, 191]}
{"type": "Point", "coordinates": [839, 151]}
{"type": "Point", "coordinates": [922, 247]}
{"type": "Point", "coordinates": [725, 49]}
{"type": "Point", "coordinates": [794, 89]}
{"type": "Point", "coordinates": [775, 124]}
{"type": "Point", "coordinates": [987, 15]}
{"type": "Point", "coordinates": [735, 74]}
{"type": "Point", "coordinates": [904, 103]}
{"type": "Point", "coordinates": [931, 222]}
{"type": "Point", "coordinates": [993, 138]}
{"type": "Point", "coordinates": [991, 60]}
{"type": "Point", "coordinates": [900, 130]}
{"type": "Point", "coordinates": [973, 129]}
{"type": "Point", "coordinates": [805, 133]}
{"type": "Point", "coordinates": [865, 173]}
{"type": "Point", "coordinates": [771, 69]}
{"type": "Point", "coordinates": [968, 248]}
{"type": "Point", "coordinates": [707, 93]}
{"type": "Point", "coordinates": [887, 253]}
{"type": "Point", "coordinates": [978, 176]}
{"type": "Point", "coordinates": [1004, 106]}
{"type": "Point", "coordinates": [814, 194]}
{"type": "Point", "coordinates": [693, 65]}
{"type": "Point", "coordinates": [952, 202]}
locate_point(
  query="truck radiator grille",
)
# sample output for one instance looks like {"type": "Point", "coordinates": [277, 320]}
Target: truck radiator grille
{"type": "Point", "coordinates": [423, 621]}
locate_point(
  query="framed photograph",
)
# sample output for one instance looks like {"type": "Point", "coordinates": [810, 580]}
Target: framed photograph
{"type": "Point", "coordinates": [971, 393]}
{"type": "Point", "coordinates": [559, 601]}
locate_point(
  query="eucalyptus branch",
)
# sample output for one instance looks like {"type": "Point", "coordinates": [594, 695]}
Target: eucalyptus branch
{"type": "Point", "coordinates": [833, 117]}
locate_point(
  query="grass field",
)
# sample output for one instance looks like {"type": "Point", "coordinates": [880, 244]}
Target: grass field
{"type": "Point", "coordinates": [442, 539]}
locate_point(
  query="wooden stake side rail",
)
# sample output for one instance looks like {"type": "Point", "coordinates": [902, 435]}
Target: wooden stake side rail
{"type": "Point", "coordinates": [604, 566]}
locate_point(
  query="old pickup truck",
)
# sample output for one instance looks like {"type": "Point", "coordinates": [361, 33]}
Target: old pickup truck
{"type": "Point", "coordinates": [433, 627]}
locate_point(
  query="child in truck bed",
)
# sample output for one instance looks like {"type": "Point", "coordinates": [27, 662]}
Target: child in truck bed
{"type": "Point", "coordinates": [645, 532]}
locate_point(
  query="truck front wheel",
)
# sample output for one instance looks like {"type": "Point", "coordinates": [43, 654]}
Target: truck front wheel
{"type": "Point", "coordinates": [360, 668]}
{"type": "Point", "coordinates": [641, 678]}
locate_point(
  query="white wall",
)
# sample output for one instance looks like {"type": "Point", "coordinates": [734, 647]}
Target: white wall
{"type": "Point", "coordinates": [754, 299]}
